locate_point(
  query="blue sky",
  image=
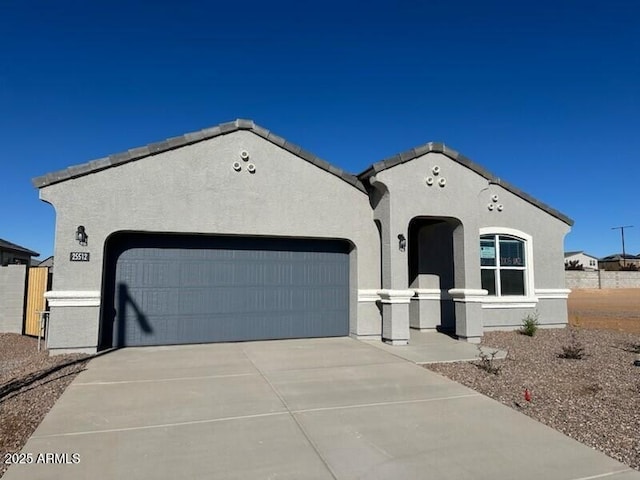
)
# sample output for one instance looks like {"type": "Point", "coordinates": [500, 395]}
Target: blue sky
{"type": "Point", "coordinates": [544, 94]}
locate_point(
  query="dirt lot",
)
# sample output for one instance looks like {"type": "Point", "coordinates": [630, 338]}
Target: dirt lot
{"type": "Point", "coordinates": [614, 309]}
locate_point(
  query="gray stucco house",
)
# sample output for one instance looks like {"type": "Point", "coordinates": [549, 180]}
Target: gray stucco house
{"type": "Point", "coordinates": [12, 254]}
{"type": "Point", "coordinates": [232, 233]}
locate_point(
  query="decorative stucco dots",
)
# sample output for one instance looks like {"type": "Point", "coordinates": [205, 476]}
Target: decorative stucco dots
{"type": "Point", "coordinates": [430, 180]}
{"type": "Point", "coordinates": [244, 156]}
{"type": "Point", "coordinates": [494, 205]}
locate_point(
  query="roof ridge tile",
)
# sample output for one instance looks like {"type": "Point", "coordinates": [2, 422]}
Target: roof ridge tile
{"type": "Point", "coordinates": [155, 148]}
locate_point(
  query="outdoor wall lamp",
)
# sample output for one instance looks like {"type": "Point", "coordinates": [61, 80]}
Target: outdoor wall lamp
{"type": "Point", "coordinates": [81, 235]}
{"type": "Point", "coordinates": [402, 242]}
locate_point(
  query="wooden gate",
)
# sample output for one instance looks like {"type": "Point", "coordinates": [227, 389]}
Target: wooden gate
{"type": "Point", "coordinates": [36, 286]}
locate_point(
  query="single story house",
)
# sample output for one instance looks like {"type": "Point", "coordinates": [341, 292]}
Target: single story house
{"type": "Point", "coordinates": [233, 233]}
{"type": "Point", "coordinates": [12, 254]}
{"type": "Point", "coordinates": [618, 261]}
{"type": "Point", "coordinates": [588, 262]}
{"type": "Point", "coordinates": [47, 262]}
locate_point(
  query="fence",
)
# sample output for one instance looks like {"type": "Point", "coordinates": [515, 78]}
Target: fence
{"type": "Point", "coordinates": [12, 290]}
{"type": "Point", "coordinates": [19, 288]}
{"type": "Point", "coordinates": [37, 285]}
{"type": "Point", "coordinates": [577, 279]}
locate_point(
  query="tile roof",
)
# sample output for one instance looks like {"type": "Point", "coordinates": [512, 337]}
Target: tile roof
{"type": "Point", "coordinates": [433, 147]}
{"type": "Point", "coordinates": [242, 124]}
{"type": "Point", "coordinates": [619, 256]}
{"type": "Point", "coordinates": [188, 139]}
{"type": "Point", "coordinates": [5, 245]}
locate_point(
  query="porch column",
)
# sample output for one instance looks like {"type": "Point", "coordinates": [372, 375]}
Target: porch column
{"type": "Point", "coordinates": [395, 314]}
{"type": "Point", "coordinates": [468, 305]}
{"type": "Point", "coordinates": [425, 310]}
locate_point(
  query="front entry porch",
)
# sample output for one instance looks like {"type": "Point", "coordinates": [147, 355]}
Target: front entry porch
{"type": "Point", "coordinates": [434, 347]}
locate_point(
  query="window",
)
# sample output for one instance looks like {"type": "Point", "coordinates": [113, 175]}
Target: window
{"type": "Point", "coordinates": [503, 265]}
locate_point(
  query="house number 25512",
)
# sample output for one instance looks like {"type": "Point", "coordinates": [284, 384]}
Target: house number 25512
{"type": "Point", "coordinates": [79, 256]}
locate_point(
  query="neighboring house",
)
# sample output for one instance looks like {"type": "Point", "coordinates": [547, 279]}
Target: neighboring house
{"type": "Point", "coordinates": [618, 261]}
{"type": "Point", "coordinates": [12, 254]}
{"type": "Point", "coordinates": [232, 233]}
{"type": "Point", "coordinates": [589, 262]}
{"type": "Point", "coordinates": [14, 264]}
{"type": "Point", "coordinates": [47, 262]}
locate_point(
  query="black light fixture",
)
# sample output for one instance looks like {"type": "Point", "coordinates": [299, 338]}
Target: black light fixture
{"type": "Point", "coordinates": [402, 242]}
{"type": "Point", "coordinates": [81, 235]}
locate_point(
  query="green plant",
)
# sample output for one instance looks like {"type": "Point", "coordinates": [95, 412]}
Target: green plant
{"type": "Point", "coordinates": [573, 350]}
{"type": "Point", "coordinates": [530, 324]}
{"type": "Point", "coordinates": [487, 361]}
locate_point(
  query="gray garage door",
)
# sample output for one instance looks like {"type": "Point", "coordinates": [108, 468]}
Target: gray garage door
{"type": "Point", "coordinates": [177, 290]}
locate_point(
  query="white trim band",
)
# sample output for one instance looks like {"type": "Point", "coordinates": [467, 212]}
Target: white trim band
{"type": "Point", "coordinates": [470, 295]}
{"type": "Point", "coordinates": [395, 296]}
{"type": "Point", "coordinates": [368, 295]}
{"type": "Point", "coordinates": [503, 304]}
{"type": "Point", "coordinates": [73, 298]}
{"type": "Point", "coordinates": [560, 293]}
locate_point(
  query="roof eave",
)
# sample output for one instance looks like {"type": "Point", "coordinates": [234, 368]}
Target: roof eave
{"type": "Point", "coordinates": [433, 147]}
{"type": "Point", "coordinates": [189, 139]}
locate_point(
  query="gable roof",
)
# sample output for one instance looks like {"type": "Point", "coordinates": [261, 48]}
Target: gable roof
{"type": "Point", "coordinates": [47, 262]}
{"type": "Point", "coordinates": [249, 125]}
{"type": "Point", "coordinates": [433, 147]}
{"type": "Point", "coordinates": [189, 139]}
{"type": "Point", "coordinates": [618, 256]}
{"type": "Point", "coordinates": [570, 254]}
{"type": "Point", "coordinates": [5, 245]}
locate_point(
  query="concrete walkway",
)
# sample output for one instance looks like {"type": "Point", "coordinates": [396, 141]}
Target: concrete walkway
{"type": "Point", "coordinates": [434, 347]}
{"type": "Point", "coordinates": [321, 409]}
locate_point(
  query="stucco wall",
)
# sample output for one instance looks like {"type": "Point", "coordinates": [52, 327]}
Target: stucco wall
{"type": "Point", "coordinates": [466, 196]}
{"type": "Point", "coordinates": [602, 279]}
{"type": "Point", "coordinates": [194, 189]}
{"type": "Point", "coordinates": [12, 294]}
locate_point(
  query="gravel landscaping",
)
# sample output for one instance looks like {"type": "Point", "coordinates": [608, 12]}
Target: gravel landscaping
{"type": "Point", "coordinates": [595, 400]}
{"type": "Point", "coordinates": [30, 383]}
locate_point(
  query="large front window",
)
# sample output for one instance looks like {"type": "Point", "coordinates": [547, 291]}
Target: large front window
{"type": "Point", "coordinates": [503, 265]}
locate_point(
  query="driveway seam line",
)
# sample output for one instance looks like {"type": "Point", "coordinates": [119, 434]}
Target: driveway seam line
{"type": "Point", "coordinates": [603, 475]}
{"type": "Point", "coordinates": [173, 379]}
{"type": "Point", "coordinates": [382, 404]}
{"type": "Point", "coordinates": [293, 417]}
{"type": "Point", "coordinates": [380, 364]}
{"type": "Point", "coordinates": [164, 425]}
{"type": "Point", "coordinates": [257, 415]}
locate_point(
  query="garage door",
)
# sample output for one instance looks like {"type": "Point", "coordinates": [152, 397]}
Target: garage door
{"type": "Point", "coordinates": [200, 289]}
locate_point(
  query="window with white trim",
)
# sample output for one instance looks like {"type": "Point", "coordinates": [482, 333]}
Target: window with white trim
{"type": "Point", "coordinates": [503, 266]}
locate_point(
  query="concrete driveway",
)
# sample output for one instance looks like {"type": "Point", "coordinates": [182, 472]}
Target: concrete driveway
{"type": "Point", "coordinates": [296, 409]}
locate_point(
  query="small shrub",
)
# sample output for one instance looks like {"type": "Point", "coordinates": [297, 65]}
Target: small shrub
{"type": "Point", "coordinates": [590, 389]}
{"type": "Point", "coordinates": [573, 265]}
{"type": "Point", "coordinates": [573, 350]}
{"type": "Point", "coordinates": [487, 362]}
{"type": "Point", "coordinates": [632, 347]}
{"type": "Point", "coordinates": [629, 267]}
{"type": "Point", "coordinates": [530, 324]}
